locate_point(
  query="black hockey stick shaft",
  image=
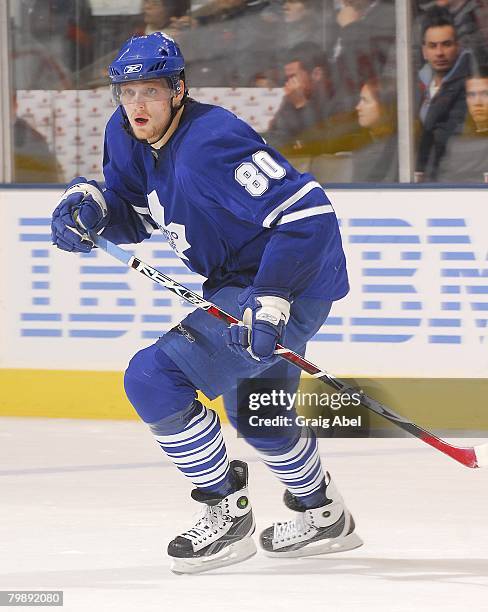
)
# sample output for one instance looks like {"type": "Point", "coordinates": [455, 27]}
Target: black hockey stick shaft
{"type": "Point", "coordinates": [472, 457]}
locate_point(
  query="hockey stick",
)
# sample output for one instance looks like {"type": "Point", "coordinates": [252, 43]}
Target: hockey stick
{"type": "Point", "coordinates": [471, 456]}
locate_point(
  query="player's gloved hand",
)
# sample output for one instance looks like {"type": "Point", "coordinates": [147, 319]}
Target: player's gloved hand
{"type": "Point", "coordinates": [82, 207]}
{"type": "Point", "coordinates": [264, 317]}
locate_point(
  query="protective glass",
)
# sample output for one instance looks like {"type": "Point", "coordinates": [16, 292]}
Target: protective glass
{"type": "Point", "coordinates": [136, 92]}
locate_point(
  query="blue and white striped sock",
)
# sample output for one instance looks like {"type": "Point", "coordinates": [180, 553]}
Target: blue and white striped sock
{"type": "Point", "coordinates": [198, 450]}
{"type": "Point", "coordinates": [299, 468]}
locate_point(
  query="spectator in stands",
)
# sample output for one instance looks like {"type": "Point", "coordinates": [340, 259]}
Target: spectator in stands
{"type": "Point", "coordinates": [301, 22]}
{"type": "Point", "coordinates": [289, 24]}
{"type": "Point", "coordinates": [362, 47]}
{"type": "Point", "coordinates": [165, 15]}
{"type": "Point", "coordinates": [467, 19]}
{"type": "Point", "coordinates": [297, 129]}
{"type": "Point", "coordinates": [34, 162]}
{"type": "Point", "coordinates": [231, 44]}
{"type": "Point", "coordinates": [377, 159]}
{"type": "Point", "coordinates": [210, 48]}
{"type": "Point", "coordinates": [466, 159]}
{"type": "Point", "coordinates": [443, 99]}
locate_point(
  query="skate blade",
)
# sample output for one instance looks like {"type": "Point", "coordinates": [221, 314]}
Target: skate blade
{"type": "Point", "coordinates": [322, 547]}
{"type": "Point", "coordinates": [234, 553]}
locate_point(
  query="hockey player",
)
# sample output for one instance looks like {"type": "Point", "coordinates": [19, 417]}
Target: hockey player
{"type": "Point", "coordinates": [267, 240]}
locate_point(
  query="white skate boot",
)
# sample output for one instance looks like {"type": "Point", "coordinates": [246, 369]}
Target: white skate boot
{"type": "Point", "coordinates": [222, 534]}
{"type": "Point", "coordinates": [317, 531]}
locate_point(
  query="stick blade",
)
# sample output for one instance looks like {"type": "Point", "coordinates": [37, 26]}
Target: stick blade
{"type": "Point", "coordinates": [481, 452]}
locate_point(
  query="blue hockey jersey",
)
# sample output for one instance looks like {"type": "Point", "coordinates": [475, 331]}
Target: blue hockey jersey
{"type": "Point", "coordinates": [232, 208]}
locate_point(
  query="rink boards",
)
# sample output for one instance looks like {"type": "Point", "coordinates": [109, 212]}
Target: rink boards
{"type": "Point", "coordinates": [418, 306]}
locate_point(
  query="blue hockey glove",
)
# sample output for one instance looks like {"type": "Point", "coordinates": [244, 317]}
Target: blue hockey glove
{"type": "Point", "coordinates": [264, 317]}
{"type": "Point", "coordinates": [82, 207]}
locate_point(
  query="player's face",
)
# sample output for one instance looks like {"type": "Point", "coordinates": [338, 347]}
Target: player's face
{"type": "Point", "coordinates": [148, 107]}
{"type": "Point", "coordinates": [368, 109]}
{"type": "Point", "coordinates": [440, 48]}
{"type": "Point", "coordinates": [477, 99]}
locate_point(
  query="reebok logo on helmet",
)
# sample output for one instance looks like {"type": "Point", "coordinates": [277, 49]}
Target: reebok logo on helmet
{"type": "Point", "coordinates": [132, 68]}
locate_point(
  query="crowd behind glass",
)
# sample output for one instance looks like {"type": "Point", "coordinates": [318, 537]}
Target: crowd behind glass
{"type": "Point", "coordinates": [334, 60]}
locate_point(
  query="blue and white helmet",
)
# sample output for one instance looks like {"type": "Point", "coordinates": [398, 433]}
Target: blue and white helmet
{"type": "Point", "coordinates": [154, 56]}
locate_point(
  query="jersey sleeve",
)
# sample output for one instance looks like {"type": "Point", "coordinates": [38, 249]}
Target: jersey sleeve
{"type": "Point", "coordinates": [125, 187]}
{"type": "Point", "coordinates": [236, 170]}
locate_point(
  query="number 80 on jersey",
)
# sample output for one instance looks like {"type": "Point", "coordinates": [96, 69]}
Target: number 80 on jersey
{"type": "Point", "coordinates": [255, 182]}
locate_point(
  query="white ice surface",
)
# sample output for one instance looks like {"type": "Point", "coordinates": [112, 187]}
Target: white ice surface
{"type": "Point", "coordinates": [88, 507]}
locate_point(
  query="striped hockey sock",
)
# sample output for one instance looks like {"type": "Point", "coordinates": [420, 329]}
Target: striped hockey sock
{"type": "Point", "coordinates": [300, 470]}
{"type": "Point", "coordinates": [198, 451]}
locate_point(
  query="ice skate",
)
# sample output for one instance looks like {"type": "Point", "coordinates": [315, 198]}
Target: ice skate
{"type": "Point", "coordinates": [317, 531]}
{"type": "Point", "coordinates": [222, 533]}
